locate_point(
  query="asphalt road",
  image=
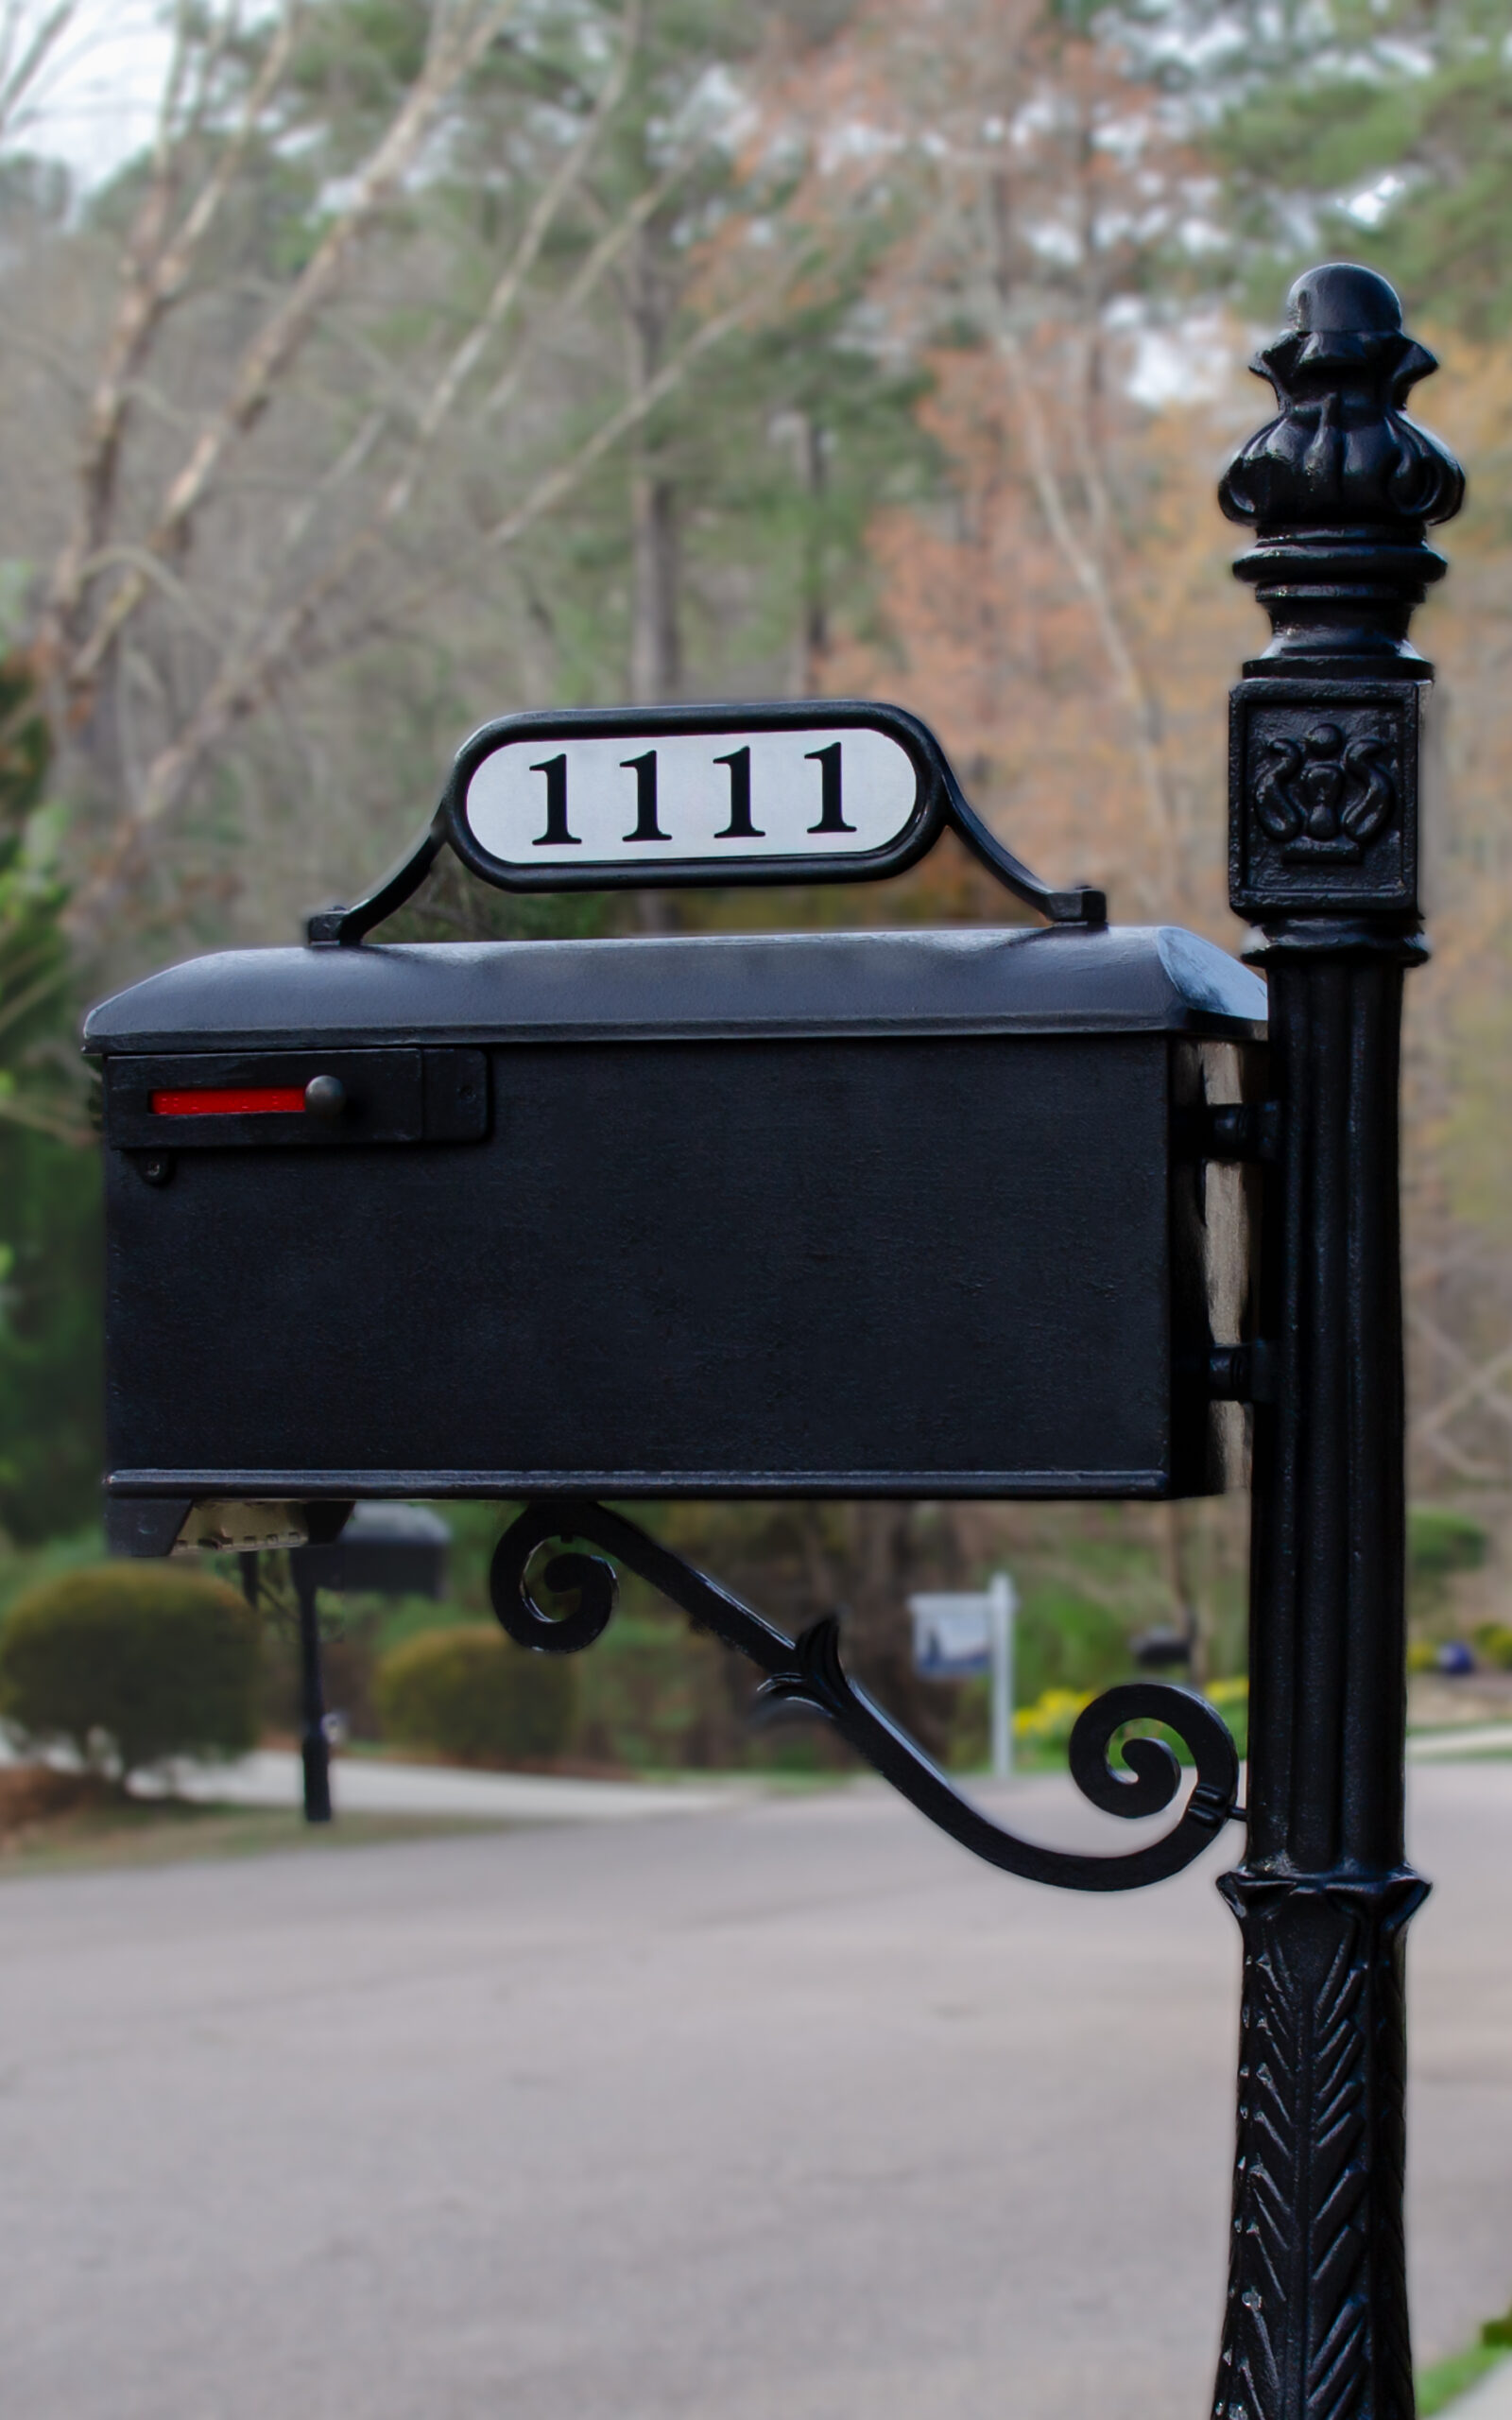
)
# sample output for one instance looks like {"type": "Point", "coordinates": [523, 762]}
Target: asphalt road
{"type": "Point", "coordinates": [788, 2112]}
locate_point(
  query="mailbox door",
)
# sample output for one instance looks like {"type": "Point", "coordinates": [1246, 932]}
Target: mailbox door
{"type": "Point", "coordinates": [922, 1265]}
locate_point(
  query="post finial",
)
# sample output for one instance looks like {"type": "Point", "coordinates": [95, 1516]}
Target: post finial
{"type": "Point", "coordinates": [1340, 486]}
{"type": "Point", "coordinates": [1339, 489]}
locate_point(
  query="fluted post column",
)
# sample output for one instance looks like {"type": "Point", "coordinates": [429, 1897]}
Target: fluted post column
{"type": "Point", "coordinates": [1326, 734]}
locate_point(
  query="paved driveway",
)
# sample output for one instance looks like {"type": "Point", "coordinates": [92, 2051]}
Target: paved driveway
{"type": "Point", "coordinates": [382, 1786]}
{"type": "Point", "coordinates": [785, 2112]}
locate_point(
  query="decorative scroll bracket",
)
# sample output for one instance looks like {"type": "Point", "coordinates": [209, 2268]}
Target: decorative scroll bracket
{"type": "Point", "coordinates": [808, 1671]}
{"type": "Point", "coordinates": [700, 797]}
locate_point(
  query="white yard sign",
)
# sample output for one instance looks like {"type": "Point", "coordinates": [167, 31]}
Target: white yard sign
{"type": "Point", "coordinates": [957, 1635]}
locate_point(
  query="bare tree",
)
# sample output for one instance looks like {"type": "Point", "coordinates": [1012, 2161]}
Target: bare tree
{"type": "Point", "coordinates": [277, 467]}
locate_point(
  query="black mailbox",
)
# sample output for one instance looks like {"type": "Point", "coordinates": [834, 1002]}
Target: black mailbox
{"type": "Point", "coordinates": [889, 1213]}
{"type": "Point", "coordinates": [384, 1550]}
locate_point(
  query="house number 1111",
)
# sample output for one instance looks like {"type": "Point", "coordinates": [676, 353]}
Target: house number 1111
{"type": "Point", "coordinates": [740, 828]}
{"type": "Point", "coordinates": [690, 798]}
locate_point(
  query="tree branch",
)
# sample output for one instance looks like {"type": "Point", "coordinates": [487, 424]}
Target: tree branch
{"type": "Point", "coordinates": [155, 271]}
{"type": "Point", "coordinates": [1480, 1386]}
{"type": "Point", "coordinates": [603, 257]}
{"type": "Point", "coordinates": [541, 219]}
{"type": "Point", "coordinates": [455, 51]}
{"type": "Point", "coordinates": [17, 82]}
{"type": "Point", "coordinates": [246, 683]}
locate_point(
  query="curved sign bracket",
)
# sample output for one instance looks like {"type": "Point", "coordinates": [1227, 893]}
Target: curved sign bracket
{"type": "Point", "coordinates": [708, 797]}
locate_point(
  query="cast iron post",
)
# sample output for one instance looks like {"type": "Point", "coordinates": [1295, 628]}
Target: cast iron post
{"type": "Point", "coordinates": [1324, 768]}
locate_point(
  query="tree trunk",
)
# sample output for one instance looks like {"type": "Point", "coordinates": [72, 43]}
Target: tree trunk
{"type": "Point", "coordinates": [812, 649]}
{"type": "Point", "coordinates": [656, 637]}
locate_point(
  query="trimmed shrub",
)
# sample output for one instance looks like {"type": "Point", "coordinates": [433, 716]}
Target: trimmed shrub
{"type": "Point", "coordinates": [131, 1663]}
{"type": "Point", "coordinates": [1043, 1731]}
{"type": "Point", "coordinates": [658, 1695]}
{"type": "Point", "coordinates": [1231, 1699]}
{"type": "Point", "coordinates": [1066, 1642]}
{"type": "Point", "coordinates": [1439, 1544]}
{"type": "Point", "coordinates": [472, 1694]}
{"type": "Point", "coordinates": [1493, 1642]}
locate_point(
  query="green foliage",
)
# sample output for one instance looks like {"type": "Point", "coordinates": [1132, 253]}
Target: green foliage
{"type": "Point", "coordinates": [654, 1696]}
{"type": "Point", "coordinates": [1379, 130]}
{"type": "Point", "coordinates": [1446, 2381]}
{"type": "Point", "coordinates": [131, 1663]}
{"type": "Point", "coordinates": [1439, 1544]}
{"type": "Point", "coordinates": [1043, 1731]}
{"type": "Point", "coordinates": [1493, 1644]}
{"type": "Point", "coordinates": [50, 1248]}
{"type": "Point", "coordinates": [51, 1383]}
{"type": "Point", "coordinates": [1064, 1641]}
{"type": "Point", "coordinates": [23, 1568]}
{"type": "Point", "coordinates": [469, 1693]}
{"type": "Point", "coordinates": [1231, 1699]}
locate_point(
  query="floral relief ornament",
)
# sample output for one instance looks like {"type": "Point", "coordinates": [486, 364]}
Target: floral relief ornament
{"type": "Point", "coordinates": [1325, 795]}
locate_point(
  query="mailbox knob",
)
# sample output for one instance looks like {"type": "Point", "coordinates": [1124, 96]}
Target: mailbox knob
{"type": "Point", "coordinates": [325, 1097]}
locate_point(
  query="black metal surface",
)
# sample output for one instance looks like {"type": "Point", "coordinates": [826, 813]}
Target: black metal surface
{"type": "Point", "coordinates": [822, 1214]}
{"type": "Point", "coordinates": [938, 804]}
{"type": "Point", "coordinates": [808, 1671]}
{"type": "Point", "coordinates": [1341, 487]}
{"type": "Point", "coordinates": [1341, 484]}
{"type": "Point", "coordinates": [384, 1550]}
{"type": "Point", "coordinates": [315, 1748]}
{"type": "Point", "coordinates": [1330, 782]}
{"type": "Point", "coordinates": [359, 1098]}
{"type": "Point", "coordinates": [692, 988]}
{"type": "Point", "coordinates": [687, 1270]}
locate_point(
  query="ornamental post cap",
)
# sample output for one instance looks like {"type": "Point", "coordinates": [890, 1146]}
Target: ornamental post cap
{"type": "Point", "coordinates": [1341, 453]}
{"type": "Point", "coordinates": [1339, 298]}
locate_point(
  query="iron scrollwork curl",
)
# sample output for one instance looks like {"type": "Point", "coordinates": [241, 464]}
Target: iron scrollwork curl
{"type": "Point", "coordinates": [808, 1671]}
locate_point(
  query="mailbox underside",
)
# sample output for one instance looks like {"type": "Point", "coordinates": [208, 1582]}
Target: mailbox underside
{"type": "Point", "coordinates": [921, 1265]}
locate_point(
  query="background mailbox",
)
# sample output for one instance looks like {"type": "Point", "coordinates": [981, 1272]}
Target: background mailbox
{"type": "Point", "coordinates": [884, 1213]}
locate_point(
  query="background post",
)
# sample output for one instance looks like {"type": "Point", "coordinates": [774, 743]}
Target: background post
{"type": "Point", "coordinates": [1002, 1601]}
{"type": "Point", "coordinates": [1324, 772]}
{"type": "Point", "coordinates": [315, 1748]}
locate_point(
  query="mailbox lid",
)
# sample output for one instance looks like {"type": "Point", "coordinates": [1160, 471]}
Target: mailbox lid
{"type": "Point", "coordinates": [690, 987]}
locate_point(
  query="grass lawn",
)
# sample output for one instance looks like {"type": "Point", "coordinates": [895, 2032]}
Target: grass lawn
{"type": "Point", "coordinates": [52, 1821]}
{"type": "Point", "coordinates": [1446, 2380]}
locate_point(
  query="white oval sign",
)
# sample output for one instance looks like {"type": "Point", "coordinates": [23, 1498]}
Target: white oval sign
{"type": "Point", "coordinates": [674, 797]}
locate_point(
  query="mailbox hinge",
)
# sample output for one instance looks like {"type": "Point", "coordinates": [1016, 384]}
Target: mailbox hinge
{"type": "Point", "coordinates": [1241, 1373]}
{"type": "Point", "coordinates": [1249, 1130]}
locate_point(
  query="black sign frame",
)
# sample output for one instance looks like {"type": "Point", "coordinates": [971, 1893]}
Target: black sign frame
{"type": "Point", "coordinates": [939, 806]}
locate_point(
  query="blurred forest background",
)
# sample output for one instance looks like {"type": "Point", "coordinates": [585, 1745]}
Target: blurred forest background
{"type": "Point", "coordinates": [372, 367]}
